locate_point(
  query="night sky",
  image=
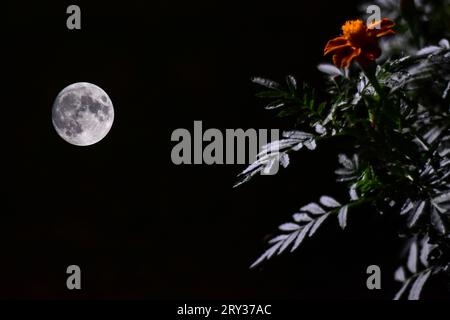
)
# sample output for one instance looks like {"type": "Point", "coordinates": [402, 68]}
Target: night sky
{"type": "Point", "coordinates": [138, 225]}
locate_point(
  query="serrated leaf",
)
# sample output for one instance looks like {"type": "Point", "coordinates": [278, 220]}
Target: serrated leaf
{"type": "Point", "coordinates": [295, 134]}
{"type": "Point", "coordinates": [412, 257]}
{"type": "Point", "coordinates": [421, 144]}
{"type": "Point", "coordinates": [444, 44]}
{"type": "Point", "coordinates": [288, 241]}
{"type": "Point", "coordinates": [278, 238]}
{"type": "Point", "coordinates": [402, 290]}
{"type": "Point", "coordinates": [273, 249]}
{"type": "Point", "coordinates": [346, 162]}
{"type": "Point", "coordinates": [417, 213]}
{"type": "Point", "coordinates": [353, 193]}
{"type": "Point", "coordinates": [274, 105]}
{"type": "Point", "coordinates": [407, 207]}
{"type": "Point", "coordinates": [265, 83]}
{"type": "Point", "coordinates": [317, 224]}
{"type": "Point", "coordinates": [445, 197]}
{"type": "Point", "coordinates": [301, 236]}
{"type": "Point", "coordinates": [444, 152]}
{"type": "Point", "coordinates": [400, 275]}
{"type": "Point", "coordinates": [313, 208]}
{"type": "Point", "coordinates": [342, 217]}
{"type": "Point", "coordinates": [270, 168]}
{"type": "Point", "coordinates": [289, 226]}
{"type": "Point", "coordinates": [437, 222]}
{"type": "Point", "coordinates": [297, 147]}
{"type": "Point", "coordinates": [428, 50]}
{"type": "Point", "coordinates": [432, 134]}
{"type": "Point", "coordinates": [284, 160]}
{"type": "Point", "coordinates": [329, 202]}
{"type": "Point", "coordinates": [329, 69]}
{"type": "Point", "coordinates": [446, 91]}
{"type": "Point", "coordinates": [425, 251]}
{"type": "Point", "coordinates": [310, 144]}
{"type": "Point", "coordinates": [291, 82]}
{"type": "Point", "coordinates": [267, 254]}
{"type": "Point", "coordinates": [301, 217]}
{"type": "Point", "coordinates": [320, 129]}
{"type": "Point", "coordinates": [444, 162]}
{"type": "Point", "coordinates": [416, 289]}
{"type": "Point", "coordinates": [344, 172]}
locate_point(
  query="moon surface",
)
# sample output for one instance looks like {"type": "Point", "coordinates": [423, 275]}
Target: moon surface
{"type": "Point", "coordinates": [82, 114]}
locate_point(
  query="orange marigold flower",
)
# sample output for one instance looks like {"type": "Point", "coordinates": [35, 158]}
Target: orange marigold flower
{"type": "Point", "coordinates": [358, 41]}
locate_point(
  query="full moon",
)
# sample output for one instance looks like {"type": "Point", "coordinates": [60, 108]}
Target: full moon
{"type": "Point", "coordinates": [82, 114]}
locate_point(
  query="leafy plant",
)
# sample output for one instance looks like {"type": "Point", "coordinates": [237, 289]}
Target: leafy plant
{"type": "Point", "coordinates": [397, 116]}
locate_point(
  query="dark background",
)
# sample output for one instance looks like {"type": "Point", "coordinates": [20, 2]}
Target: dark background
{"type": "Point", "coordinates": [137, 225]}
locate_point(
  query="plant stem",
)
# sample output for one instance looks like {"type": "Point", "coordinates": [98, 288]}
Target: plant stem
{"type": "Point", "coordinates": [356, 203]}
{"type": "Point", "coordinates": [370, 72]}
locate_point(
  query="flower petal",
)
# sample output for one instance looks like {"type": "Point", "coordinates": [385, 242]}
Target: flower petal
{"type": "Point", "coordinates": [335, 44]}
{"type": "Point", "coordinates": [358, 41]}
{"type": "Point", "coordinates": [343, 58]}
{"type": "Point", "coordinates": [385, 33]}
{"type": "Point", "coordinates": [384, 23]}
{"type": "Point", "coordinates": [348, 59]}
{"type": "Point", "coordinates": [381, 28]}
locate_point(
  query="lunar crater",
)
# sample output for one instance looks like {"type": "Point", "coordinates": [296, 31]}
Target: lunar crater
{"type": "Point", "coordinates": [82, 114]}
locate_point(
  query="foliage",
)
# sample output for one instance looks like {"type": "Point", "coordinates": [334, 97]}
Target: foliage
{"type": "Point", "coordinates": [398, 121]}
